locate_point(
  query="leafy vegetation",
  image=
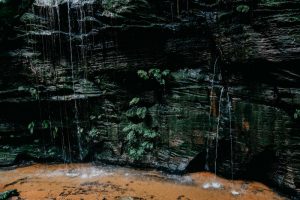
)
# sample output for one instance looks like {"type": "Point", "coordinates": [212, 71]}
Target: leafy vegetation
{"type": "Point", "coordinates": [139, 137]}
{"type": "Point", "coordinates": [154, 74]}
{"type": "Point", "coordinates": [93, 134]}
{"type": "Point", "coordinates": [8, 194]}
{"type": "Point", "coordinates": [46, 124]}
{"type": "Point", "coordinates": [242, 8]}
{"type": "Point", "coordinates": [31, 126]}
{"type": "Point", "coordinates": [139, 112]}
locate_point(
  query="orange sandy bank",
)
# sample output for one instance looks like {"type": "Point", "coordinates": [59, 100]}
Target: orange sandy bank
{"type": "Point", "coordinates": [88, 182]}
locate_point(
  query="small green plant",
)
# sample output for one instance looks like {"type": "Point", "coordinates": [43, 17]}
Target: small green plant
{"type": "Point", "coordinates": [297, 114]}
{"type": "Point", "coordinates": [139, 112]}
{"type": "Point", "coordinates": [139, 140]}
{"type": "Point", "coordinates": [31, 126]}
{"type": "Point", "coordinates": [135, 111]}
{"type": "Point", "coordinates": [242, 8]}
{"type": "Point", "coordinates": [93, 134]}
{"type": "Point", "coordinates": [45, 124]}
{"type": "Point", "coordinates": [154, 74]}
{"type": "Point", "coordinates": [143, 74]}
{"type": "Point", "coordinates": [139, 137]}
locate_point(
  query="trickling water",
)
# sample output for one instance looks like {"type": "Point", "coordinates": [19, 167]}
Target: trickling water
{"type": "Point", "coordinates": [230, 133]}
{"type": "Point", "coordinates": [211, 97]}
{"type": "Point", "coordinates": [214, 184]}
{"type": "Point", "coordinates": [229, 105]}
{"type": "Point", "coordinates": [218, 128]}
{"type": "Point", "coordinates": [58, 67]}
{"type": "Point", "coordinates": [59, 28]}
{"type": "Point", "coordinates": [212, 88]}
{"type": "Point", "coordinates": [82, 32]}
{"type": "Point", "coordinates": [78, 129]}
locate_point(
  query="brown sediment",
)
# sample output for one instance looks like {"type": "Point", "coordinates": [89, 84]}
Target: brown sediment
{"type": "Point", "coordinates": [88, 182]}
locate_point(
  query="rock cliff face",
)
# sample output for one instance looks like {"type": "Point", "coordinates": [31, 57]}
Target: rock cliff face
{"type": "Point", "coordinates": [227, 105]}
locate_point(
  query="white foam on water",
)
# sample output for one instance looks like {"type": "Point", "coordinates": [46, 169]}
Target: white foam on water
{"type": "Point", "coordinates": [206, 185]}
{"type": "Point", "coordinates": [52, 174]}
{"type": "Point", "coordinates": [235, 193]}
{"type": "Point", "coordinates": [83, 173]}
{"type": "Point", "coordinates": [216, 185]}
{"type": "Point", "coordinates": [72, 174]}
{"type": "Point", "coordinates": [213, 185]}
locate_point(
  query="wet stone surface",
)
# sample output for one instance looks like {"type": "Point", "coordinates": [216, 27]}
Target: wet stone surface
{"type": "Point", "coordinates": [85, 181]}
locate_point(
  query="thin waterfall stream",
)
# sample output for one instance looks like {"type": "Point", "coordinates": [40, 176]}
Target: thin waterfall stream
{"type": "Point", "coordinates": [215, 184]}
{"type": "Point", "coordinates": [211, 98]}
{"type": "Point", "coordinates": [78, 129]}
{"type": "Point", "coordinates": [229, 107]}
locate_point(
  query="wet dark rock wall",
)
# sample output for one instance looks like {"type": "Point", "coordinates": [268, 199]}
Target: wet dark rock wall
{"type": "Point", "coordinates": [238, 69]}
